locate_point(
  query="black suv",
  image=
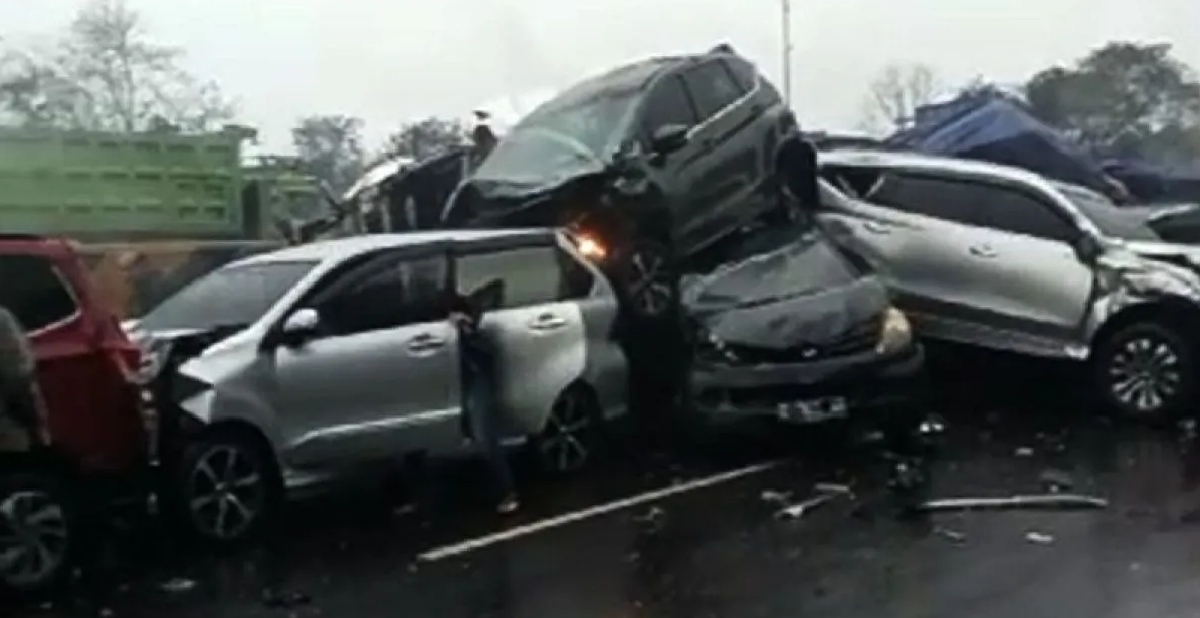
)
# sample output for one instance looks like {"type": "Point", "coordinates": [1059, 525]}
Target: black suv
{"type": "Point", "coordinates": [648, 163]}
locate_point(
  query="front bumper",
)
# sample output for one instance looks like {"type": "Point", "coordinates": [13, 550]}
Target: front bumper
{"type": "Point", "coordinates": [866, 383]}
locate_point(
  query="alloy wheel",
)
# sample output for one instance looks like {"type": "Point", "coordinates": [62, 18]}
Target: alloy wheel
{"type": "Point", "coordinates": [1145, 374]}
{"type": "Point", "coordinates": [226, 492]}
{"type": "Point", "coordinates": [565, 445]}
{"type": "Point", "coordinates": [649, 283]}
{"type": "Point", "coordinates": [34, 538]}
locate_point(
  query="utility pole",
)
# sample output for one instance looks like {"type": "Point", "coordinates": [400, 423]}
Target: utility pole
{"type": "Point", "coordinates": [787, 51]}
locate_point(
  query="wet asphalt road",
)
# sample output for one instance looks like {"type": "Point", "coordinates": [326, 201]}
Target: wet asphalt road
{"type": "Point", "coordinates": [721, 550]}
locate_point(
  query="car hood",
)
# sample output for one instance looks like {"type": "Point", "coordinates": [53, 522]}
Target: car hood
{"type": "Point", "coordinates": [480, 202]}
{"type": "Point", "coordinates": [1182, 254]}
{"type": "Point", "coordinates": [803, 293]}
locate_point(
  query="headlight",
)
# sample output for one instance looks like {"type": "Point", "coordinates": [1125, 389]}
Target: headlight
{"type": "Point", "coordinates": [590, 247]}
{"type": "Point", "coordinates": [895, 334]}
{"type": "Point", "coordinates": [714, 349]}
{"type": "Point", "coordinates": [154, 356]}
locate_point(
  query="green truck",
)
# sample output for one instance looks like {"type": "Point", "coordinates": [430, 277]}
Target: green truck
{"type": "Point", "coordinates": [152, 211]}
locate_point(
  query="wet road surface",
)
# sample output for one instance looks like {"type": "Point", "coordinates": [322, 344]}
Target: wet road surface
{"type": "Point", "coordinates": [721, 550]}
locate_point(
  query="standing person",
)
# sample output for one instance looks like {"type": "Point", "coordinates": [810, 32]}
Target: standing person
{"type": "Point", "coordinates": [479, 393]}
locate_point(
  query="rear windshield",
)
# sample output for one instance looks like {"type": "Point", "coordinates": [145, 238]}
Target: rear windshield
{"type": "Point", "coordinates": [231, 296]}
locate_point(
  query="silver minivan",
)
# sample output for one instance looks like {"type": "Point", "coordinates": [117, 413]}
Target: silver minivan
{"type": "Point", "coordinates": [355, 363]}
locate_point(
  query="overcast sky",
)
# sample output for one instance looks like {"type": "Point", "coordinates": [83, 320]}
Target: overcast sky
{"type": "Point", "coordinates": [388, 62]}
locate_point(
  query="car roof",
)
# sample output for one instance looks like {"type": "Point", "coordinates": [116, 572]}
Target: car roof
{"type": "Point", "coordinates": [342, 248]}
{"type": "Point", "coordinates": [930, 163]}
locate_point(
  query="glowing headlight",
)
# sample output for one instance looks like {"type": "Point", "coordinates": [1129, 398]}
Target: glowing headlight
{"type": "Point", "coordinates": [590, 247]}
{"type": "Point", "coordinates": [896, 333]}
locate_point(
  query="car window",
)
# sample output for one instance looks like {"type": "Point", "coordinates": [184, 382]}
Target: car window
{"type": "Point", "coordinates": [531, 275]}
{"type": "Point", "coordinates": [575, 280]}
{"type": "Point", "coordinates": [712, 87]}
{"type": "Point", "coordinates": [388, 293]}
{"type": "Point", "coordinates": [1016, 212]}
{"type": "Point", "coordinates": [232, 296]}
{"type": "Point", "coordinates": [949, 200]}
{"type": "Point", "coordinates": [668, 104]}
{"type": "Point", "coordinates": [742, 72]}
{"type": "Point", "coordinates": [34, 292]}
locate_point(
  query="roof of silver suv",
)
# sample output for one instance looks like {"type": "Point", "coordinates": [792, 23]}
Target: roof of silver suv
{"type": "Point", "coordinates": [341, 248]}
{"type": "Point", "coordinates": [917, 161]}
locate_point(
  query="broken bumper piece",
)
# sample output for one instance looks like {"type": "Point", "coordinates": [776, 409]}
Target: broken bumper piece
{"type": "Point", "coordinates": [809, 392]}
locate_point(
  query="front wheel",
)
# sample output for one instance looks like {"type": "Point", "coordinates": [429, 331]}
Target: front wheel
{"type": "Point", "coordinates": [572, 437]}
{"type": "Point", "coordinates": [227, 488]}
{"type": "Point", "coordinates": [38, 532]}
{"type": "Point", "coordinates": [647, 279]}
{"type": "Point", "coordinates": [1145, 371]}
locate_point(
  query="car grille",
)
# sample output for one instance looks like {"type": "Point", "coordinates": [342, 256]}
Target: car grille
{"type": "Point", "coordinates": [859, 339]}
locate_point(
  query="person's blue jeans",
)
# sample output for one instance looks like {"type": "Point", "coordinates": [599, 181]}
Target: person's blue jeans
{"type": "Point", "coordinates": [480, 408]}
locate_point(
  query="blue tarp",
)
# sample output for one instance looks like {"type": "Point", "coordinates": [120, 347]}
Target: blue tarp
{"type": "Point", "coordinates": [1000, 131]}
{"type": "Point", "coordinates": [1153, 183]}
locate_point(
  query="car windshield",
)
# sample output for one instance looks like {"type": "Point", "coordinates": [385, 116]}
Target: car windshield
{"type": "Point", "coordinates": [231, 296]}
{"type": "Point", "coordinates": [1109, 218]}
{"type": "Point", "coordinates": [565, 137]}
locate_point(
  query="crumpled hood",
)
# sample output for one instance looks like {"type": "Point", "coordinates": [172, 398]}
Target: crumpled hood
{"type": "Point", "coordinates": [486, 203]}
{"type": "Point", "coordinates": [803, 293]}
{"type": "Point", "coordinates": [1158, 250]}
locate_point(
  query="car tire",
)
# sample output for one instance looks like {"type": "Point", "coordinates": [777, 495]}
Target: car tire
{"type": "Point", "coordinates": [647, 281]}
{"type": "Point", "coordinates": [227, 488]}
{"type": "Point", "coordinates": [1145, 371]}
{"type": "Point", "coordinates": [573, 436]}
{"type": "Point", "coordinates": [39, 532]}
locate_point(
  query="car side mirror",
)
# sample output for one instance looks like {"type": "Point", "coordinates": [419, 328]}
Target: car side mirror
{"type": "Point", "coordinates": [300, 325]}
{"type": "Point", "coordinates": [668, 139]}
{"type": "Point", "coordinates": [1088, 248]}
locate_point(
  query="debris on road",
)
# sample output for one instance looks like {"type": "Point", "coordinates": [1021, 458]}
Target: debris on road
{"type": "Point", "coordinates": [796, 511]}
{"type": "Point", "coordinates": [775, 497]}
{"type": "Point", "coordinates": [1055, 480]}
{"type": "Point", "coordinates": [1038, 538]}
{"type": "Point", "coordinates": [1045, 501]}
{"type": "Point", "coordinates": [953, 536]}
{"type": "Point", "coordinates": [834, 488]}
{"type": "Point", "coordinates": [1023, 451]}
{"type": "Point", "coordinates": [178, 584]}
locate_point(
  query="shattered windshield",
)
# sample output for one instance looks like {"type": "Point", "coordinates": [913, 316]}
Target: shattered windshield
{"type": "Point", "coordinates": [561, 139]}
{"type": "Point", "coordinates": [231, 296]}
{"type": "Point", "coordinates": [1109, 218]}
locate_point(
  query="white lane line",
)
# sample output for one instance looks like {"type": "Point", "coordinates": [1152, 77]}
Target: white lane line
{"type": "Point", "coordinates": [553, 522]}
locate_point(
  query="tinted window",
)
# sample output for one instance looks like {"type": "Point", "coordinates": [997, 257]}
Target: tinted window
{"type": "Point", "coordinates": [1109, 218]}
{"type": "Point", "coordinates": [742, 72]}
{"type": "Point", "coordinates": [668, 104]}
{"type": "Point", "coordinates": [32, 290]}
{"type": "Point", "coordinates": [932, 197]}
{"type": "Point", "coordinates": [1012, 211]}
{"type": "Point", "coordinates": [230, 296]}
{"type": "Point", "coordinates": [712, 87]}
{"type": "Point", "coordinates": [575, 280]}
{"type": "Point", "coordinates": [531, 275]}
{"type": "Point", "coordinates": [387, 293]}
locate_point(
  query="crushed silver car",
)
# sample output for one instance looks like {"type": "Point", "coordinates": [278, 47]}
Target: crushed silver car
{"type": "Point", "coordinates": [1003, 258]}
{"type": "Point", "coordinates": [353, 362]}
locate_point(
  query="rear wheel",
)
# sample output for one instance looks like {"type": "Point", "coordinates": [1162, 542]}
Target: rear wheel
{"type": "Point", "coordinates": [38, 530]}
{"type": "Point", "coordinates": [227, 488]}
{"type": "Point", "coordinates": [1145, 371]}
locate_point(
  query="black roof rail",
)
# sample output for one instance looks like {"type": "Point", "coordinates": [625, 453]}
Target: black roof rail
{"type": "Point", "coordinates": [20, 236]}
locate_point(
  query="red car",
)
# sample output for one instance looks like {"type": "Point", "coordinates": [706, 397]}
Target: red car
{"type": "Point", "coordinates": [86, 370]}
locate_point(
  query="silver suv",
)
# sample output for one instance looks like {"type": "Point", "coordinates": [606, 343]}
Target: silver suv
{"type": "Point", "coordinates": [1006, 259]}
{"type": "Point", "coordinates": [353, 362]}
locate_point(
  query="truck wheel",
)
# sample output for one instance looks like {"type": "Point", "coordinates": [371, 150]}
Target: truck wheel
{"type": "Point", "coordinates": [38, 532]}
{"type": "Point", "coordinates": [1145, 371]}
{"type": "Point", "coordinates": [227, 488]}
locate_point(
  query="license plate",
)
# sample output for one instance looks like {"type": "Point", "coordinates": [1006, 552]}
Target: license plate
{"type": "Point", "coordinates": [813, 410]}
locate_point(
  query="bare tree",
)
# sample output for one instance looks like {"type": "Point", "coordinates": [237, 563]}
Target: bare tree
{"type": "Point", "coordinates": [106, 75]}
{"type": "Point", "coordinates": [896, 93]}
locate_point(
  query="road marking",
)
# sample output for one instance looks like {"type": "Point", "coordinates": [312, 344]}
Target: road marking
{"type": "Point", "coordinates": [601, 509]}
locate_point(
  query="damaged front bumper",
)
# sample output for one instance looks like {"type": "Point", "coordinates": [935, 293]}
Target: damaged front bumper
{"type": "Point", "coordinates": [806, 393]}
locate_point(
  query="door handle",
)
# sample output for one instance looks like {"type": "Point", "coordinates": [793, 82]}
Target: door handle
{"type": "Point", "coordinates": [547, 321]}
{"type": "Point", "coordinates": [983, 251]}
{"type": "Point", "coordinates": [425, 343]}
{"type": "Point", "coordinates": [876, 228]}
